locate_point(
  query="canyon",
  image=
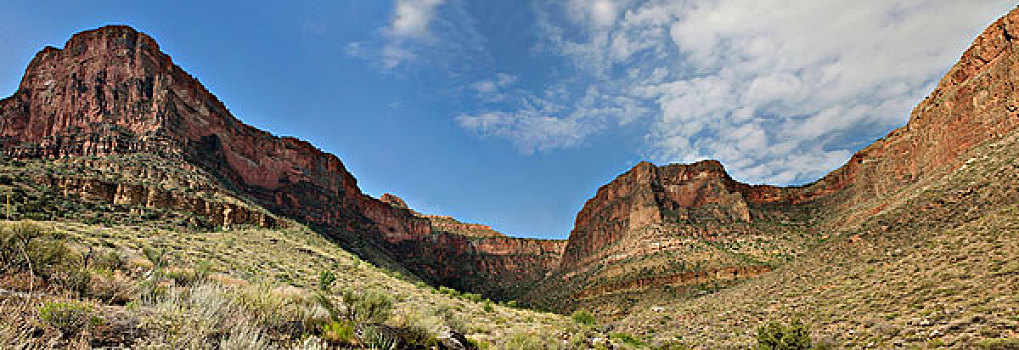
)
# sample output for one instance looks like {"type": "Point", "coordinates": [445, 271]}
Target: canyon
{"type": "Point", "coordinates": [110, 93]}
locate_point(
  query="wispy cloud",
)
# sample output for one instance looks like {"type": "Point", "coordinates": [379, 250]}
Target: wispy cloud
{"type": "Point", "coordinates": [427, 32]}
{"type": "Point", "coordinates": [553, 119]}
{"type": "Point", "coordinates": [781, 91]}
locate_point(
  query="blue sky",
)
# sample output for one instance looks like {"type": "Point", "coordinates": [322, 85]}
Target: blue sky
{"type": "Point", "coordinates": [513, 113]}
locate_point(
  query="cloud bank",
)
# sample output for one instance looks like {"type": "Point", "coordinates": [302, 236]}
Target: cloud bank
{"type": "Point", "coordinates": [781, 91]}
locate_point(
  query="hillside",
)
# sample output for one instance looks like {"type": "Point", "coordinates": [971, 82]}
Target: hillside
{"type": "Point", "coordinates": [109, 105]}
{"type": "Point", "coordinates": [141, 208]}
{"type": "Point", "coordinates": [680, 229]}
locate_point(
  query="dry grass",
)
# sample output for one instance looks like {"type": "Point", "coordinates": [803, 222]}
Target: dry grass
{"type": "Point", "coordinates": [260, 288]}
{"type": "Point", "coordinates": [936, 269]}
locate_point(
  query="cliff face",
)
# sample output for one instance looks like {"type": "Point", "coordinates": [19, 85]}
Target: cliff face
{"type": "Point", "coordinates": [975, 102]}
{"type": "Point", "coordinates": [643, 196]}
{"type": "Point", "coordinates": [111, 91]}
{"type": "Point", "coordinates": [475, 257]}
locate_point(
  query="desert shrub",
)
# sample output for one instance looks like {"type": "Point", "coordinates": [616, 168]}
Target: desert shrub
{"type": "Point", "coordinates": [472, 297]}
{"type": "Point", "coordinates": [451, 319]}
{"type": "Point", "coordinates": [488, 306]}
{"type": "Point", "coordinates": [998, 343]}
{"type": "Point", "coordinates": [24, 246]}
{"type": "Point", "coordinates": [113, 287]}
{"type": "Point", "coordinates": [188, 277]}
{"type": "Point", "coordinates": [157, 256]}
{"type": "Point", "coordinates": [417, 329]}
{"type": "Point", "coordinates": [325, 280]}
{"type": "Point", "coordinates": [209, 313]}
{"type": "Point", "coordinates": [109, 259]}
{"type": "Point", "coordinates": [371, 307]}
{"type": "Point", "coordinates": [340, 332]}
{"type": "Point", "coordinates": [278, 313]}
{"type": "Point", "coordinates": [245, 337]}
{"type": "Point", "coordinates": [73, 279]}
{"type": "Point", "coordinates": [626, 339]}
{"type": "Point", "coordinates": [449, 291]}
{"type": "Point", "coordinates": [777, 336]}
{"type": "Point", "coordinates": [478, 344]}
{"type": "Point", "coordinates": [529, 341]}
{"type": "Point", "coordinates": [70, 318]}
{"type": "Point", "coordinates": [374, 337]}
{"type": "Point", "coordinates": [583, 317]}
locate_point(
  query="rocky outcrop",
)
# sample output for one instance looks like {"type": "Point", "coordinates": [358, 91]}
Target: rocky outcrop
{"type": "Point", "coordinates": [477, 258]}
{"type": "Point", "coordinates": [393, 201]}
{"type": "Point", "coordinates": [112, 91]}
{"type": "Point", "coordinates": [647, 195]}
{"type": "Point", "coordinates": [218, 213]}
{"type": "Point", "coordinates": [975, 102]}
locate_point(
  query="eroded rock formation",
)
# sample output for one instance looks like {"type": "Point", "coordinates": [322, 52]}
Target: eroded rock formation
{"type": "Point", "coordinates": [112, 91]}
{"type": "Point", "coordinates": [975, 102]}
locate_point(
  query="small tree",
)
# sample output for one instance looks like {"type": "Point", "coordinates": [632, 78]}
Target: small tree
{"type": "Point", "coordinates": [776, 336]}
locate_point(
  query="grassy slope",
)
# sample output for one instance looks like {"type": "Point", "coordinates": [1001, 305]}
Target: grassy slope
{"type": "Point", "coordinates": [286, 260]}
{"type": "Point", "coordinates": [937, 267]}
{"type": "Point", "coordinates": [289, 261]}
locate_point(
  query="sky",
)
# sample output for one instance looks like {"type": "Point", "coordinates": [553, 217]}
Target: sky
{"type": "Point", "coordinates": [513, 113]}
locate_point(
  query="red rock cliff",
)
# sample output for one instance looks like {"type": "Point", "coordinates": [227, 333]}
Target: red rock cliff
{"type": "Point", "coordinates": [975, 102]}
{"type": "Point", "coordinates": [111, 91]}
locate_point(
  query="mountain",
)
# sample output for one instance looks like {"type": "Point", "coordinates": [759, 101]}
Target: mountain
{"type": "Point", "coordinates": [908, 243]}
{"type": "Point", "coordinates": [110, 95]}
{"type": "Point", "coordinates": [692, 224]}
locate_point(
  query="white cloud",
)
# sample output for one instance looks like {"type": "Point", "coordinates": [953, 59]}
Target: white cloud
{"type": "Point", "coordinates": [493, 90]}
{"type": "Point", "coordinates": [437, 34]}
{"type": "Point", "coordinates": [411, 21]}
{"type": "Point", "coordinates": [779, 90]}
{"type": "Point", "coordinates": [552, 120]}
{"type": "Point", "coordinates": [412, 17]}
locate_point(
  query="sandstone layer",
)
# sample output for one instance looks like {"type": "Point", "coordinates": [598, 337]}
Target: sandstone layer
{"type": "Point", "coordinates": [111, 92]}
{"type": "Point", "coordinates": [974, 103]}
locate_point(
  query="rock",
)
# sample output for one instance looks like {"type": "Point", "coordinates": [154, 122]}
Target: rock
{"type": "Point", "coordinates": [394, 201]}
{"type": "Point", "coordinates": [975, 102]}
{"type": "Point", "coordinates": [112, 91]}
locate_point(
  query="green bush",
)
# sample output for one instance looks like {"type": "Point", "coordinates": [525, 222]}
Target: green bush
{"type": "Point", "coordinates": [626, 339]}
{"type": "Point", "coordinates": [376, 338]}
{"type": "Point", "coordinates": [24, 246]}
{"type": "Point", "coordinates": [70, 318]}
{"type": "Point", "coordinates": [369, 307]}
{"type": "Point", "coordinates": [529, 341]}
{"type": "Point", "coordinates": [109, 259]}
{"type": "Point", "coordinates": [583, 317]}
{"type": "Point", "coordinates": [326, 279]}
{"type": "Point", "coordinates": [157, 257]}
{"type": "Point", "coordinates": [338, 332]}
{"type": "Point", "coordinates": [776, 336]}
{"type": "Point", "coordinates": [449, 291]}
